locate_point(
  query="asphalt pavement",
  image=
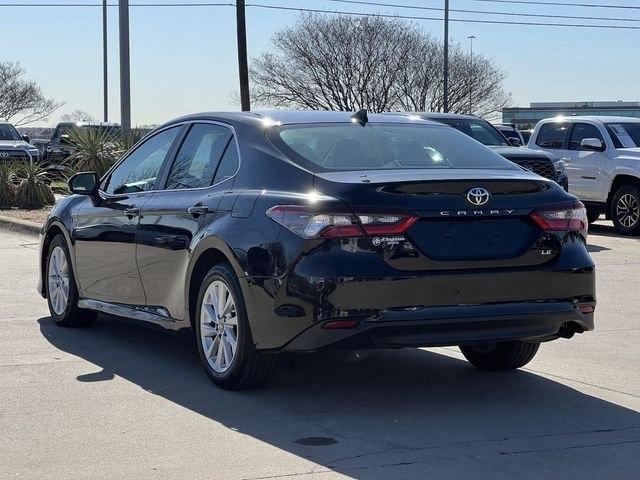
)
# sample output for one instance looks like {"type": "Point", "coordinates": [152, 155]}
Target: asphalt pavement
{"type": "Point", "coordinates": [122, 400]}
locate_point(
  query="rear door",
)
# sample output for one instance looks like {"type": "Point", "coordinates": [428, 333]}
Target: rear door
{"type": "Point", "coordinates": [586, 165]}
{"type": "Point", "coordinates": [192, 186]}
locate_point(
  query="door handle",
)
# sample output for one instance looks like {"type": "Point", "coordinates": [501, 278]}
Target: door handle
{"type": "Point", "coordinates": [197, 210]}
{"type": "Point", "coordinates": [132, 212]}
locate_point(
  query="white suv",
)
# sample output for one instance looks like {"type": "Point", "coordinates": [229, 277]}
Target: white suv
{"type": "Point", "coordinates": [602, 160]}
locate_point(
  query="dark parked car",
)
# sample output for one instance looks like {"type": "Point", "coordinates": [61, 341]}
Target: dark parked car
{"type": "Point", "coordinates": [300, 231]}
{"type": "Point", "coordinates": [58, 148]}
{"type": "Point", "coordinates": [511, 133]}
{"type": "Point", "coordinates": [15, 148]}
{"type": "Point", "coordinates": [538, 162]}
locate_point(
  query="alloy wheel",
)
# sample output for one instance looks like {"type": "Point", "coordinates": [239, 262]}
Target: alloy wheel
{"type": "Point", "coordinates": [628, 210]}
{"type": "Point", "coordinates": [219, 326]}
{"type": "Point", "coordinates": [58, 280]}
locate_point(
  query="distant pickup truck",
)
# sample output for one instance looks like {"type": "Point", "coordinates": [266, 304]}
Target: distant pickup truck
{"type": "Point", "coordinates": [602, 160]}
{"type": "Point", "coordinates": [58, 148]}
{"type": "Point", "coordinates": [15, 148]}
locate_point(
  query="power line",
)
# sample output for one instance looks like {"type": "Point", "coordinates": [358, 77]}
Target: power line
{"type": "Point", "coordinates": [341, 12]}
{"type": "Point", "coordinates": [460, 20]}
{"type": "Point", "coordinates": [93, 5]}
{"type": "Point", "coordinates": [484, 12]}
{"type": "Point", "coordinates": [561, 4]}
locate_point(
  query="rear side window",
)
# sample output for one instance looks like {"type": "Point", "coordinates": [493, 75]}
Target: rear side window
{"type": "Point", "coordinates": [198, 158]}
{"type": "Point", "coordinates": [552, 135]}
{"type": "Point", "coordinates": [377, 146]}
{"type": "Point", "coordinates": [229, 163]}
{"type": "Point", "coordinates": [580, 132]}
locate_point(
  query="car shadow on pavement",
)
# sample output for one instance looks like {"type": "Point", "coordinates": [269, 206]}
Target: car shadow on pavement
{"type": "Point", "coordinates": [395, 414]}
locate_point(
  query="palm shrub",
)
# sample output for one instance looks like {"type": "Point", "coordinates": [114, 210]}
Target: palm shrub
{"type": "Point", "coordinates": [7, 184]}
{"type": "Point", "coordinates": [95, 149]}
{"type": "Point", "coordinates": [33, 188]}
{"type": "Point", "coordinates": [126, 140]}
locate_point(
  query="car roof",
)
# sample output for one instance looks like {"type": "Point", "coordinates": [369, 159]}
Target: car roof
{"type": "Point", "coordinates": [292, 117]}
{"type": "Point", "coordinates": [592, 118]}
{"type": "Point", "coordinates": [441, 115]}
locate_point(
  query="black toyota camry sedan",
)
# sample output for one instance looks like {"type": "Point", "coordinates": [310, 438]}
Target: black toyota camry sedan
{"type": "Point", "coordinates": [305, 231]}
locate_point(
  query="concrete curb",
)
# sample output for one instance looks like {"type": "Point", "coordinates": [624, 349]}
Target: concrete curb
{"type": "Point", "coordinates": [17, 225]}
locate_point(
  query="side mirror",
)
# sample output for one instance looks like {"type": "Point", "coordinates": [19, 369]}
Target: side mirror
{"type": "Point", "coordinates": [515, 142]}
{"type": "Point", "coordinates": [592, 144]}
{"type": "Point", "coordinates": [26, 138]}
{"type": "Point", "coordinates": [84, 183]}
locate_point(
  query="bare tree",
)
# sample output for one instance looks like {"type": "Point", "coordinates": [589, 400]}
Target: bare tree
{"type": "Point", "coordinates": [21, 100]}
{"type": "Point", "coordinates": [77, 116]}
{"type": "Point", "coordinates": [345, 63]}
{"type": "Point", "coordinates": [334, 63]}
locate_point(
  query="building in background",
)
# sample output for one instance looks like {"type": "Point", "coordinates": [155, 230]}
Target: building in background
{"type": "Point", "coordinates": [527, 117]}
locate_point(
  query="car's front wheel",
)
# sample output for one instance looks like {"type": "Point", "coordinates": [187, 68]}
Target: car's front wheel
{"type": "Point", "coordinates": [62, 293]}
{"type": "Point", "coordinates": [501, 355]}
{"type": "Point", "coordinates": [223, 334]}
{"type": "Point", "coordinates": [625, 210]}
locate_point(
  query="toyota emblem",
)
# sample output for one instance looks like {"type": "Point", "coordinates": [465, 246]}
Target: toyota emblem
{"type": "Point", "coordinates": [478, 196]}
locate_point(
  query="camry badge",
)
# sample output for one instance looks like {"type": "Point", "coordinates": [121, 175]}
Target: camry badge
{"type": "Point", "coordinates": [478, 196]}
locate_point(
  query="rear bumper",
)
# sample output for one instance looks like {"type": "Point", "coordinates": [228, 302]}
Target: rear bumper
{"type": "Point", "coordinates": [395, 308]}
{"type": "Point", "coordinates": [457, 325]}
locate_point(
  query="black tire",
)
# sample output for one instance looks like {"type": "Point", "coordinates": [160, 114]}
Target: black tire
{"type": "Point", "coordinates": [500, 356]}
{"type": "Point", "coordinates": [630, 192]}
{"type": "Point", "coordinates": [250, 368]}
{"type": "Point", "coordinates": [72, 316]}
{"type": "Point", "coordinates": [593, 214]}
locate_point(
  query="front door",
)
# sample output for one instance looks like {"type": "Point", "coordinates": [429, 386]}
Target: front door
{"type": "Point", "coordinates": [586, 166]}
{"type": "Point", "coordinates": [198, 178]}
{"type": "Point", "coordinates": [106, 227]}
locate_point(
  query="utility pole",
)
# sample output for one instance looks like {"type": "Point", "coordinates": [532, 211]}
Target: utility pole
{"type": "Point", "coordinates": [471, 37]}
{"type": "Point", "coordinates": [125, 76]}
{"type": "Point", "coordinates": [445, 81]}
{"type": "Point", "coordinates": [105, 74]}
{"type": "Point", "coordinates": [243, 68]}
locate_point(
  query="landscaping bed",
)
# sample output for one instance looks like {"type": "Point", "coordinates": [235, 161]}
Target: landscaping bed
{"type": "Point", "coordinates": [36, 216]}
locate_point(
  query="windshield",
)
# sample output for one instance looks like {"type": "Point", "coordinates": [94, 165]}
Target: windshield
{"type": "Point", "coordinates": [624, 135]}
{"type": "Point", "coordinates": [8, 132]}
{"type": "Point", "coordinates": [477, 129]}
{"type": "Point", "coordinates": [333, 147]}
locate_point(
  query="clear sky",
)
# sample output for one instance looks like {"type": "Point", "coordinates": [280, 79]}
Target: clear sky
{"type": "Point", "coordinates": [184, 59]}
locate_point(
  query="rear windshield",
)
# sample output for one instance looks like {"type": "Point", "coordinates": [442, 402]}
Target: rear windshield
{"type": "Point", "coordinates": [333, 147]}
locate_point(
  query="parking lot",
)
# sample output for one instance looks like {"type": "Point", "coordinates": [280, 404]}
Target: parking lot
{"type": "Point", "coordinates": [121, 400]}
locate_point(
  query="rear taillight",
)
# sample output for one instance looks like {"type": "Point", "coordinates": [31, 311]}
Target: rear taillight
{"type": "Point", "coordinates": [571, 217]}
{"type": "Point", "coordinates": [309, 224]}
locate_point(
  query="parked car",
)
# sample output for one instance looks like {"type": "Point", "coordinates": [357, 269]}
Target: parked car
{"type": "Point", "coordinates": [602, 158]}
{"type": "Point", "coordinates": [538, 162]}
{"type": "Point", "coordinates": [526, 135]}
{"type": "Point", "coordinates": [58, 148]}
{"type": "Point", "coordinates": [511, 133]}
{"type": "Point", "coordinates": [15, 148]}
{"type": "Point", "coordinates": [306, 231]}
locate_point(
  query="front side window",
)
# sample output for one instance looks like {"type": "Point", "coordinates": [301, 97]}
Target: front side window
{"type": "Point", "coordinates": [580, 132]}
{"type": "Point", "coordinates": [477, 129]}
{"type": "Point", "coordinates": [552, 135]}
{"type": "Point", "coordinates": [333, 147]}
{"type": "Point", "coordinates": [8, 132]}
{"type": "Point", "coordinates": [139, 171]}
{"type": "Point", "coordinates": [625, 135]}
{"type": "Point", "coordinates": [198, 157]}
